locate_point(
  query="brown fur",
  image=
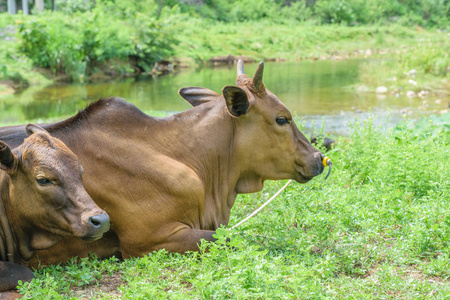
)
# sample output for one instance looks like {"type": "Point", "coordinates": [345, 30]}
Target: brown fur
{"type": "Point", "coordinates": [36, 216]}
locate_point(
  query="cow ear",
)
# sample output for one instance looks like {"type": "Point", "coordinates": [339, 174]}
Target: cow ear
{"type": "Point", "coordinates": [32, 128]}
{"type": "Point", "coordinates": [7, 158]}
{"type": "Point", "coordinates": [197, 95]}
{"type": "Point", "coordinates": [236, 99]}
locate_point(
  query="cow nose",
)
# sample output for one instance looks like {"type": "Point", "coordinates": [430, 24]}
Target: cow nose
{"type": "Point", "coordinates": [100, 222]}
{"type": "Point", "coordinates": [319, 156]}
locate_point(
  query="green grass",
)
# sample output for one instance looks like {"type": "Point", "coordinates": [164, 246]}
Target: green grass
{"type": "Point", "coordinates": [290, 41]}
{"type": "Point", "coordinates": [429, 58]}
{"type": "Point", "coordinates": [378, 228]}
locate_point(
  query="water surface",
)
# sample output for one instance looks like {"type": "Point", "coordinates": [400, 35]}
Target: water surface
{"type": "Point", "coordinates": [316, 91]}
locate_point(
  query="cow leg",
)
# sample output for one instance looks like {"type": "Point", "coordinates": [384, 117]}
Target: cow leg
{"type": "Point", "coordinates": [10, 295]}
{"type": "Point", "coordinates": [75, 247]}
{"type": "Point", "coordinates": [183, 240]}
{"type": "Point", "coordinates": [11, 273]}
{"type": "Point", "coordinates": [188, 239]}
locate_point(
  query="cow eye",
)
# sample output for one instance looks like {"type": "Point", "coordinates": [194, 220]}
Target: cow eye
{"type": "Point", "coordinates": [43, 181]}
{"type": "Point", "coordinates": [282, 121]}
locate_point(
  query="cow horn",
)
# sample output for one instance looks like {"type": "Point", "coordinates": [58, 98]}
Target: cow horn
{"type": "Point", "coordinates": [240, 68]}
{"type": "Point", "coordinates": [257, 78]}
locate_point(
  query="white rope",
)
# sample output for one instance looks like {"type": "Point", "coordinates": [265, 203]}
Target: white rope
{"type": "Point", "coordinates": [264, 205]}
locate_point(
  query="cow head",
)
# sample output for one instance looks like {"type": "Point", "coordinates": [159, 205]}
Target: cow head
{"type": "Point", "coordinates": [47, 199]}
{"type": "Point", "coordinates": [268, 144]}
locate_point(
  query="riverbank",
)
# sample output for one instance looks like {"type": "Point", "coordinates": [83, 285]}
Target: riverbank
{"type": "Point", "coordinates": [392, 51]}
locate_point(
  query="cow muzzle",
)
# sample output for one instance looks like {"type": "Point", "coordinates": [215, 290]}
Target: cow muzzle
{"type": "Point", "coordinates": [99, 225]}
{"type": "Point", "coordinates": [309, 169]}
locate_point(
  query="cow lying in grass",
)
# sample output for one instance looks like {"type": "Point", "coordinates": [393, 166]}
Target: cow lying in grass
{"type": "Point", "coordinates": [171, 182]}
{"type": "Point", "coordinates": [42, 201]}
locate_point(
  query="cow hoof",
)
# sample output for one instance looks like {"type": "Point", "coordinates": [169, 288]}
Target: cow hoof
{"type": "Point", "coordinates": [10, 295]}
{"type": "Point", "coordinates": [10, 274]}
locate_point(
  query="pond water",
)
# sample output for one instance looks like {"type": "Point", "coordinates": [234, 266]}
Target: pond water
{"type": "Point", "coordinates": [319, 92]}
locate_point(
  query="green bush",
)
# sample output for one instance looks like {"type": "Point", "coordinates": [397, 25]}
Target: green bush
{"type": "Point", "coordinates": [430, 13]}
{"type": "Point", "coordinates": [112, 30]}
{"type": "Point", "coordinates": [72, 6]}
{"type": "Point", "coordinates": [336, 12]}
{"type": "Point", "coordinates": [433, 60]}
{"type": "Point", "coordinates": [429, 59]}
{"type": "Point", "coordinates": [54, 41]}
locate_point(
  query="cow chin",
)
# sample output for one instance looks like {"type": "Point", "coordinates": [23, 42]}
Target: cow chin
{"type": "Point", "coordinates": [44, 240]}
{"type": "Point", "coordinates": [91, 238]}
{"type": "Point", "coordinates": [313, 170]}
{"type": "Point", "coordinates": [300, 178]}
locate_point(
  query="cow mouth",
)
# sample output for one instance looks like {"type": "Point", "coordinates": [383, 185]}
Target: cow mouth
{"type": "Point", "coordinates": [91, 238]}
{"type": "Point", "coordinates": [302, 178]}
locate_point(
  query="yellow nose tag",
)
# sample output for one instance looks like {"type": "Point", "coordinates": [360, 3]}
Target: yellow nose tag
{"type": "Point", "coordinates": [326, 161]}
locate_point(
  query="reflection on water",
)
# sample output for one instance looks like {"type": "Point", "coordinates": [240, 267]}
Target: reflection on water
{"type": "Point", "coordinates": [315, 91]}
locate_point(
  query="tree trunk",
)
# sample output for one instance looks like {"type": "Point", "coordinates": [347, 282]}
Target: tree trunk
{"type": "Point", "coordinates": [39, 5]}
{"type": "Point", "coordinates": [12, 6]}
{"type": "Point", "coordinates": [25, 7]}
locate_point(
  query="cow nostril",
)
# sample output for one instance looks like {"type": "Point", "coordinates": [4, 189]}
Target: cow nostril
{"type": "Point", "coordinates": [100, 221]}
{"type": "Point", "coordinates": [95, 222]}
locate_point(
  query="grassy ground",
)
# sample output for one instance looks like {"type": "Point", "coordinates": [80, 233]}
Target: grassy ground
{"type": "Point", "coordinates": [378, 228]}
{"type": "Point", "coordinates": [265, 40]}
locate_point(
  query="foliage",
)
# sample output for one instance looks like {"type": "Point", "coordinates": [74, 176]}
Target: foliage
{"type": "Point", "coordinates": [12, 65]}
{"type": "Point", "coordinates": [123, 38]}
{"type": "Point", "coordinates": [72, 6]}
{"type": "Point", "coordinates": [431, 125]}
{"type": "Point", "coordinates": [55, 43]}
{"type": "Point", "coordinates": [431, 59]}
{"type": "Point", "coordinates": [430, 13]}
{"type": "Point", "coordinates": [112, 30]}
{"type": "Point", "coordinates": [414, 68]}
{"type": "Point", "coordinates": [289, 41]}
{"type": "Point", "coordinates": [378, 226]}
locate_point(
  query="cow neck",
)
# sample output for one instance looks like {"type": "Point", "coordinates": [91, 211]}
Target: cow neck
{"type": "Point", "coordinates": [8, 247]}
{"type": "Point", "coordinates": [207, 147]}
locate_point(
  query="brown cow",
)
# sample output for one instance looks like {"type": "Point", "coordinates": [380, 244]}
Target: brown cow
{"type": "Point", "coordinates": [42, 201]}
{"type": "Point", "coordinates": [170, 182]}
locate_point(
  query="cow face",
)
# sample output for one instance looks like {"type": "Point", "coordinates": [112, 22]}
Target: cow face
{"type": "Point", "coordinates": [47, 198]}
{"type": "Point", "coordinates": [268, 143]}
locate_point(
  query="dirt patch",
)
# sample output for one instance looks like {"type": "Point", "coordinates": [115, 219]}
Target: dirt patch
{"type": "Point", "coordinates": [6, 89]}
{"type": "Point", "coordinates": [406, 273]}
{"type": "Point", "coordinates": [108, 285]}
{"type": "Point", "coordinates": [412, 272]}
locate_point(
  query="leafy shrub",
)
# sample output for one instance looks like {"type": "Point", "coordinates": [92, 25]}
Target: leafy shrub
{"type": "Point", "coordinates": [298, 11]}
{"type": "Point", "coordinates": [335, 12]}
{"type": "Point", "coordinates": [55, 42]}
{"type": "Point", "coordinates": [350, 12]}
{"type": "Point", "coordinates": [2, 71]}
{"type": "Point", "coordinates": [72, 6]}
{"type": "Point", "coordinates": [112, 30]}
{"type": "Point", "coordinates": [428, 59]}
{"type": "Point", "coordinates": [433, 60]}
